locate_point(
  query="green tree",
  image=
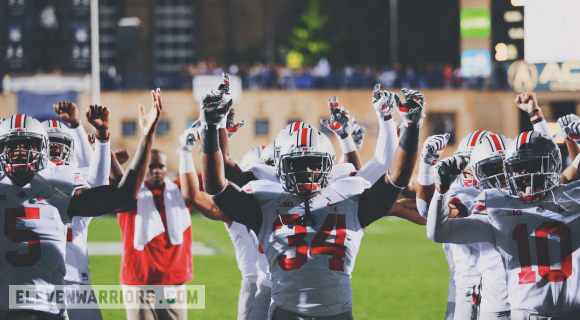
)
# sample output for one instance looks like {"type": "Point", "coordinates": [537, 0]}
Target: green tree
{"type": "Point", "coordinates": [307, 40]}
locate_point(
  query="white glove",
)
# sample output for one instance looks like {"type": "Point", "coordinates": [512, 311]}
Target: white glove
{"type": "Point", "coordinates": [190, 137]}
{"type": "Point", "coordinates": [567, 119]}
{"type": "Point", "coordinates": [231, 125]}
{"type": "Point", "coordinates": [433, 147]}
{"type": "Point", "coordinates": [358, 133]}
{"type": "Point", "coordinates": [447, 171]}
{"type": "Point", "coordinates": [216, 104]}
{"type": "Point", "coordinates": [412, 109]}
{"type": "Point", "coordinates": [572, 130]}
{"type": "Point", "coordinates": [339, 119]}
{"type": "Point", "coordinates": [384, 102]}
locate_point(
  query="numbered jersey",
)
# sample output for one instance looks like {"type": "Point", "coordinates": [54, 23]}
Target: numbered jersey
{"type": "Point", "coordinates": [311, 265]}
{"type": "Point", "coordinates": [465, 256]}
{"type": "Point", "coordinates": [539, 245]}
{"type": "Point", "coordinates": [33, 221]}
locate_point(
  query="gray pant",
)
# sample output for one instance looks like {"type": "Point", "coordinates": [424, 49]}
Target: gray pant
{"type": "Point", "coordinates": [246, 299]}
{"type": "Point", "coordinates": [465, 308]}
{"type": "Point", "coordinates": [450, 311]}
{"type": "Point", "coordinates": [504, 315]}
{"type": "Point", "coordinates": [261, 303]}
{"type": "Point", "coordinates": [83, 314]}
{"type": "Point", "coordinates": [523, 315]}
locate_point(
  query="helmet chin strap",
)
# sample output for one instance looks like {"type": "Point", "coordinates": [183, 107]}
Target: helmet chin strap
{"type": "Point", "coordinates": [50, 186]}
{"type": "Point", "coordinates": [308, 217]}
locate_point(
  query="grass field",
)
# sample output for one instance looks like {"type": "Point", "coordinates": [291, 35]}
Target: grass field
{"type": "Point", "coordinates": [399, 273]}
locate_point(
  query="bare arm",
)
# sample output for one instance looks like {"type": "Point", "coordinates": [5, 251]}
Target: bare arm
{"type": "Point", "coordinates": [106, 199]}
{"type": "Point", "coordinates": [407, 209]}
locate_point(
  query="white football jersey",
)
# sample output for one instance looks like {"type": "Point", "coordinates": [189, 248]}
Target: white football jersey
{"type": "Point", "coordinates": [265, 172]}
{"type": "Point", "coordinates": [246, 250]}
{"type": "Point", "coordinates": [311, 265]}
{"type": "Point", "coordinates": [465, 255]}
{"type": "Point", "coordinates": [34, 220]}
{"type": "Point", "coordinates": [451, 264]}
{"type": "Point", "coordinates": [539, 245]}
{"type": "Point", "coordinates": [494, 294]}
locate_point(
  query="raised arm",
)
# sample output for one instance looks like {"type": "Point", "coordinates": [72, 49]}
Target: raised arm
{"type": "Point", "coordinates": [100, 165]}
{"type": "Point", "coordinates": [232, 201]}
{"type": "Point", "coordinates": [340, 124]}
{"type": "Point", "coordinates": [384, 104]}
{"type": "Point", "coordinates": [105, 199]}
{"type": "Point", "coordinates": [407, 209]}
{"type": "Point", "coordinates": [118, 157]}
{"type": "Point", "coordinates": [380, 198]}
{"type": "Point", "coordinates": [570, 127]}
{"type": "Point", "coordinates": [190, 190]}
{"type": "Point", "coordinates": [433, 147]}
{"type": "Point", "coordinates": [527, 102]}
{"type": "Point", "coordinates": [69, 112]}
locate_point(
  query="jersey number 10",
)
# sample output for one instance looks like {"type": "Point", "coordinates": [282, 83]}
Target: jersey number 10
{"type": "Point", "coordinates": [527, 275]}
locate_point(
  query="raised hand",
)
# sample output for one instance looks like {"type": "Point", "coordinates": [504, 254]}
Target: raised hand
{"type": "Point", "coordinates": [339, 119]}
{"type": "Point", "coordinates": [67, 112]}
{"type": "Point", "coordinates": [567, 119]}
{"type": "Point", "coordinates": [231, 125]}
{"type": "Point", "coordinates": [384, 102]}
{"type": "Point", "coordinates": [91, 137]}
{"type": "Point", "coordinates": [433, 147]}
{"type": "Point", "coordinates": [358, 133]}
{"type": "Point", "coordinates": [122, 155]}
{"type": "Point", "coordinates": [148, 122]}
{"type": "Point", "coordinates": [572, 131]}
{"type": "Point", "coordinates": [99, 117]}
{"type": "Point", "coordinates": [527, 101]}
{"type": "Point", "coordinates": [412, 108]}
{"type": "Point", "coordinates": [447, 171]}
{"type": "Point", "coordinates": [190, 137]}
{"type": "Point", "coordinates": [216, 104]}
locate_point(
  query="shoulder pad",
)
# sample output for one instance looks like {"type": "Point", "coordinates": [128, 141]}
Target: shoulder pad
{"type": "Point", "coordinates": [350, 186]}
{"type": "Point", "coordinates": [342, 170]}
{"type": "Point", "coordinates": [264, 172]}
{"type": "Point", "coordinates": [258, 187]}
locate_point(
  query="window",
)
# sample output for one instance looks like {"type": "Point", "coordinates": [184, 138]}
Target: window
{"type": "Point", "coordinates": [261, 127]}
{"type": "Point", "coordinates": [163, 128]}
{"type": "Point", "coordinates": [129, 128]}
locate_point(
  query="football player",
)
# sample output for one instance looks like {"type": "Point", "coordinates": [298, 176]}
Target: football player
{"type": "Point", "coordinates": [310, 267]}
{"type": "Point", "coordinates": [533, 227]}
{"type": "Point", "coordinates": [62, 150]}
{"type": "Point", "coordinates": [41, 198]}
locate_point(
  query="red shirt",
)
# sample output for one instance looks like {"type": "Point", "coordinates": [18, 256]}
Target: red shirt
{"type": "Point", "coordinates": [160, 262]}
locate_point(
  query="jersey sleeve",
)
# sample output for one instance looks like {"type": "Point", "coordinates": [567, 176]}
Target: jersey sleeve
{"type": "Point", "coordinates": [80, 181]}
{"type": "Point", "coordinates": [473, 229]}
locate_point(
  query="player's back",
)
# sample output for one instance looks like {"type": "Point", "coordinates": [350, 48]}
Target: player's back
{"type": "Point", "coordinates": [33, 243]}
{"type": "Point", "coordinates": [311, 264]}
{"type": "Point", "coordinates": [539, 244]}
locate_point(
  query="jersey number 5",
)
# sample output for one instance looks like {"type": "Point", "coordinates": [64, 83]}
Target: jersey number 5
{"type": "Point", "coordinates": [10, 218]}
{"type": "Point", "coordinates": [527, 275]}
{"type": "Point", "coordinates": [319, 246]}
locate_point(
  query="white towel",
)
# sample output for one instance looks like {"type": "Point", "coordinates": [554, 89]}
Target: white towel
{"type": "Point", "coordinates": [148, 222]}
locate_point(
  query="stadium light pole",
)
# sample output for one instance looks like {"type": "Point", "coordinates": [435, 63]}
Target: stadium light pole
{"type": "Point", "coordinates": [394, 31]}
{"type": "Point", "coordinates": [95, 65]}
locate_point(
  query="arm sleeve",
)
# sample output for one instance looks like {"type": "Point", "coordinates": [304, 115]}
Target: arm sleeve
{"type": "Point", "coordinates": [83, 150]}
{"type": "Point", "coordinates": [542, 126]}
{"type": "Point", "coordinates": [422, 207]}
{"type": "Point", "coordinates": [240, 207]}
{"type": "Point", "coordinates": [100, 165]}
{"type": "Point", "coordinates": [441, 229]}
{"type": "Point", "coordinates": [376, 202]}
{"type": "Point", "coordinates": [387, 143]}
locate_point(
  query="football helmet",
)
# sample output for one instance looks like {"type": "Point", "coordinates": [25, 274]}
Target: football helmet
{"type": "Point", "coordinates": [532, 165]}
{"type": "Point", "coordinates": [464, 149]}
{"type": "Point", "coordinates": [487, 162]}
{"type": "Point", "coordinates": [285, 133]}
{"type": "Point", "coordinates": [23, 145]}
{"type": "Point", "coordinates": [61, 142]}
{"type": "Point", "coordinates": [267, 156]}
{"type": "Point", "coordinates": [306, 160]}
{"type": "Point", "coordinates": [252, 156]}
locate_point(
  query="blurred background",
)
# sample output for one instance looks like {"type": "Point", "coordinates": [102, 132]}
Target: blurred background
{"type": "Point", "coordinates": [469, 58]}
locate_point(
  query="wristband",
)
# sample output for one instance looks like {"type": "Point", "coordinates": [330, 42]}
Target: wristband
{"type": "Point", "coordinates": [427, 173]}
{"type": "Point", "coordinates": [533, 112]}
{"type": "Point", "coordinates": [410, 138]}
{"type": "Point", "coordinates": [537, 120]}
{"type": "Point", "coordinates": [347, 144]}
{"type": "Point", "coordinates": [210, 140]}
{"type": "Point", "coordinates": [186, 162]}
{"type": "Point", "coordinates": [576, 161]}
{"type": "Point", "coordinates": [392, 183]}
{"type": "Point", "coordinates": [104, 140]}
